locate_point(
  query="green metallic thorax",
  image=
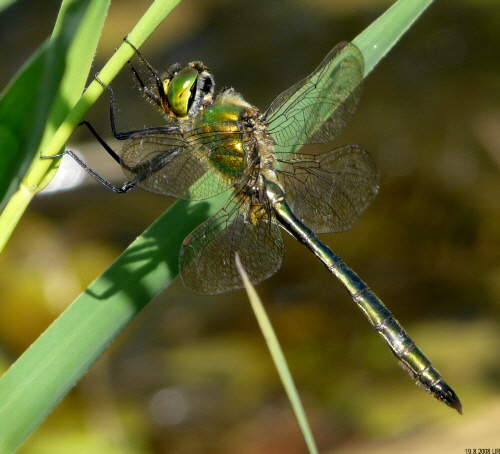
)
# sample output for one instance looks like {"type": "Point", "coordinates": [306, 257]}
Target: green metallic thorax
{"type": "Point", "coordinates": [218, 125]}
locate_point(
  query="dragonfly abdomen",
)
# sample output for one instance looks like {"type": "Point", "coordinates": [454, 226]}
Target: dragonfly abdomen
{"type": "Point", "coordinates": [404, 348]}
{"type": "Point", "coordinates": [401, 345]}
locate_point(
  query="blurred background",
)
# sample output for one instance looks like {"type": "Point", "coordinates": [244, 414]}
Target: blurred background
{"type": "Point", "coordinates": [192, 374]}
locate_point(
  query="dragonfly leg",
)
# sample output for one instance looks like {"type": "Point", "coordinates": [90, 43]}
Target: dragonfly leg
{"type": "Point", "coordinates": [156, 99]}
{"type": "Point", "coordinates": [127, 186]}
{"type": "Point", "coordinates": [141, 172]}
{"type": "Point", "coordinates": [127, 134]}
{"type": "Point", "coordinates": [145, 89]}
{"type": "Point", "coordinates": [117, 135]}
{"type": "Point", "coordinates": [109, 150]}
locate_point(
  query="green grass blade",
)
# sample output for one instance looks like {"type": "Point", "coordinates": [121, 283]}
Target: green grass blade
{"type": "Point", "coordinates": [5, 4]}
{"type": "Point", "coordinates": [379, 38]}
{"type": "Point", "coordinates": [278, 358]}
{"type": "Point", "coordinates": [55, 362]}
{"type": "Point", "coordinates": [57, 73]}
{"type": "Point", "coordinates": [27, 102]}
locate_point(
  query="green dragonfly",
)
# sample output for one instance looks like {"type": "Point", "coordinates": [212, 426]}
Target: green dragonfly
{"type": "Point", "coordinates": [210, 144]}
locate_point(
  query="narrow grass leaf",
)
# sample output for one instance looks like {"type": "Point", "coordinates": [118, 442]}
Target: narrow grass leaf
{"type": "Point", "coordinates": [278, 357]}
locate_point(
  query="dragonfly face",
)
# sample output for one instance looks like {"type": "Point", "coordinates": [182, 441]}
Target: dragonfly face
{"type": "Point", "coordinates": [182, 92]}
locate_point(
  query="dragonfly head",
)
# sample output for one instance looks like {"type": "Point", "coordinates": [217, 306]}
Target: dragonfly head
{"type": "Point", "coordinates": [187, 90]}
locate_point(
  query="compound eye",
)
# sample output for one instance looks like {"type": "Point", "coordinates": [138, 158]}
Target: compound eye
{"type": "Point", "coordinates": [180, 93]}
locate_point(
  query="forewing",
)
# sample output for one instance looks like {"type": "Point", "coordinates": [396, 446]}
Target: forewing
{"type": "Point", "coordinates": [164, 163]}
{"type": "Point", "coordinates": [207, 258]}
{"type": "Point", "coordinates": [180, 164]}
{"type": "Point", "coordinates": [316, 109]}
{"type": "Point", "coordinates": [329, 191]}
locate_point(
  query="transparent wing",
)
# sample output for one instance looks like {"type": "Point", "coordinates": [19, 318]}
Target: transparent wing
{"type": "Point", "coordinates": [162, 163]}
{"type": "Point", "coordinates": [329, 191]}
{"type": "Point", "coordinates": [207, 263]}
{"type": "Point", "coordinates": [316, 109]}
{"type": "Point", "coordinates": [177, 163]}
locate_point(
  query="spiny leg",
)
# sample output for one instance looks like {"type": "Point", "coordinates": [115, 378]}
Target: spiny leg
{"type": "Point", "coordinates": [127, 186]}
{"type": "Point", "coordinates": [159, 83]}
{"type": "Point", "coordinates": [117, 135]}
{"type": "Point", "coordinates": [145, 89]}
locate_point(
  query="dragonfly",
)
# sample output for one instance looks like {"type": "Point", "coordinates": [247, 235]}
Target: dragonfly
{"type": "Point", "coordinates": [215, 143]}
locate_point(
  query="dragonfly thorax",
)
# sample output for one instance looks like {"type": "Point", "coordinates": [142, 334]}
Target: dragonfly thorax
{"type": "Point", "coordinates": [233, 130]}
{"type": "Point", "coordinates": [221, 125]}
{"type": "Point", "coordinates": [240, 149]}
